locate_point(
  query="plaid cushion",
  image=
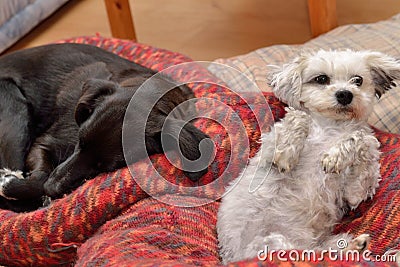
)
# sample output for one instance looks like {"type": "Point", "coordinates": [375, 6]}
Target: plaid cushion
{"type": "Point", "coordinates": [381, 36]}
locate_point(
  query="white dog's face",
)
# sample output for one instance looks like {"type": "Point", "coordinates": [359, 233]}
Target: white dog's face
{"type": "Point", "coordinates": [340, 85]}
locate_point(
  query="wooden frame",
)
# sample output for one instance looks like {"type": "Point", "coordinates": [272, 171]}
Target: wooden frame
{"type": "Point", "coordinates": [322, 16]}
{"type": "Point", "coordinates": [120, 19]}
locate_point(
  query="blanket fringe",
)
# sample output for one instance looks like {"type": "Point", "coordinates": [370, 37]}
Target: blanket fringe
{"type": "Point", "coordinates": [59, 247]}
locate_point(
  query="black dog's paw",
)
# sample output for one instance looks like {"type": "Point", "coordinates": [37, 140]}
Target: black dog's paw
{"type": "Point", "coordinates": [53, 189]}
{"type": "Point", "coordinates": [7, 179]}
{"type": "Point", "coordinates": [46, 201]}
{"type": "Point", "coordinates": [196, 149]}
{"type": "Point", "coordinates": [196, 167]}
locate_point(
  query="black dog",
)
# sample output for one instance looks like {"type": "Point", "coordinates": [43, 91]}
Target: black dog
{"type": "Point", "coordinates": [62, 109]}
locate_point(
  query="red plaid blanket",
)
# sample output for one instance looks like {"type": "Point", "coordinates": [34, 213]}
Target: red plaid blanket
{"type": "Point", "coordinates": [111, 221]}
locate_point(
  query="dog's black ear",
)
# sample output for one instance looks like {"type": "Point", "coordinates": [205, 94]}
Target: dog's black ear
{"type": "Point", "coordinates": [93, 92]}
{"type": "Point", "coordinates": [384, 71]}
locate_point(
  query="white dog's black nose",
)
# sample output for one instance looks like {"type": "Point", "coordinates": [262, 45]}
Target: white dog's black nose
{"type": "Point", "coordinates": [344, 97]}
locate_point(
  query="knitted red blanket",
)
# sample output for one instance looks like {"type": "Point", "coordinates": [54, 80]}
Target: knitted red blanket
{"type": "Point", "coordinates": [111, 221]}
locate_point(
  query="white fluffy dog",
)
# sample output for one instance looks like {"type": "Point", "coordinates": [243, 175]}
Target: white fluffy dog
{"type": "Point", "coordinates": [320, 160]}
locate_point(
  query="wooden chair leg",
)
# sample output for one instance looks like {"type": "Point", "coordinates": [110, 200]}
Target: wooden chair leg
{"type": "Point", "coordinates": [323, 17]}
{"type": "Point", "coordinates": [120, 19]}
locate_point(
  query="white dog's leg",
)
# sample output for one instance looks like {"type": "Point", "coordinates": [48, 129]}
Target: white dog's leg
{"type": "Point", "coordinates": [362, 184]}
{"type": "Point", "coordinates": [359, 151]}
{"type": "Point", "coordinates": [346, 152]}
{"type": "Point", "coordinates": [365, 173]}
{"type": "Point", "coordinates": [290, 136]}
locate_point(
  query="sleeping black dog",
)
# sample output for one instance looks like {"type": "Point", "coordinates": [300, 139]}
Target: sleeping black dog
{"type": "Point", "coordinates": [62, 109]}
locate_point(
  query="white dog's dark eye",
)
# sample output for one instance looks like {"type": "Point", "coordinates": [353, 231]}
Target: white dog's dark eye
{"type": "Point", "coordinates": [357, 80]}
{"type": "Point", "coordinates": [322, 79]}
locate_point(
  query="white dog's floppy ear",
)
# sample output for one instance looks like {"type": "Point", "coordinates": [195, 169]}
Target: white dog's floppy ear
{"type": "Point", "coordinates": [286, 82]}
{"type": "Point", "coordinates": [384, 70]}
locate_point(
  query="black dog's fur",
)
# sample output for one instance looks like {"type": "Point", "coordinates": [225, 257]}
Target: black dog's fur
{"type": "Point", "coordinates": [62, 109]}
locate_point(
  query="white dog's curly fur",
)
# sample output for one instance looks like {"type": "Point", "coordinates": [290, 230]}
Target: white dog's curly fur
{"type": "Point", "coordinates": [320, 160]}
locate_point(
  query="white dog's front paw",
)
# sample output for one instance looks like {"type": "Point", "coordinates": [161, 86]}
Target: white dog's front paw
{"type": "Point", "coordinates": [333, 162]}
{"type": "Point", "coordinates": [285, 160]}
{"type": "Point", "coordinates": [353, 201]}
{"type": "Point", "coordinates": [6, 176]}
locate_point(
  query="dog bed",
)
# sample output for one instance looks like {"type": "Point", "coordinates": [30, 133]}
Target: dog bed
{"type": "Point", "coordinates": [112, 221]}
